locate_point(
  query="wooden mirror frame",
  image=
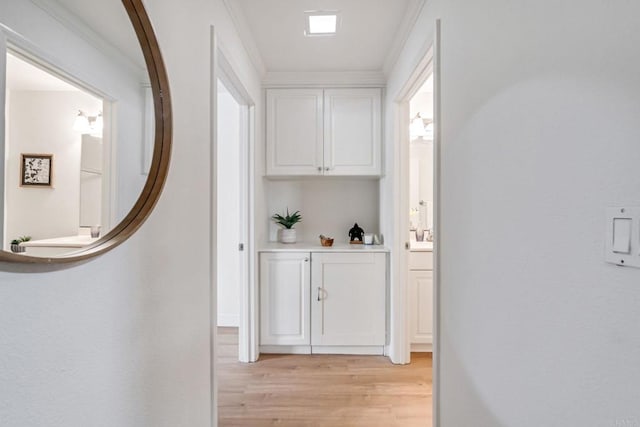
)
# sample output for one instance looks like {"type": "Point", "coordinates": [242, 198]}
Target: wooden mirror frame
{"type": "Point", "coordinates": [161, 152]}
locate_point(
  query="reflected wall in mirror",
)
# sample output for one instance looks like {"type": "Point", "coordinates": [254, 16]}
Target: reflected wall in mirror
{"type": "Point", "coordinates": [75, 86]}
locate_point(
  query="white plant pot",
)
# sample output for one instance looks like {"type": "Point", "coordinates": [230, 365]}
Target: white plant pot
{"type": "Point", "coordinates": [287, 235]}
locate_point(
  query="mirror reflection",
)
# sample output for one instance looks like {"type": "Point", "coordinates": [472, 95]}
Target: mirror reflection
{"type": "Point", "coordinates": [78, 125]}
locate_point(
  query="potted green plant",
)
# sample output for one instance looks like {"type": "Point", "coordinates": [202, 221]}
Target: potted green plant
{"type": "Point", "coordinates": [15, 244]}
{"type": "Point", "coordinates": [287, 233]}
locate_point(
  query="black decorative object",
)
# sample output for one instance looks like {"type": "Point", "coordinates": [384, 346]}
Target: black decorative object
{"type": "Point", "coordinates": [356, 233]}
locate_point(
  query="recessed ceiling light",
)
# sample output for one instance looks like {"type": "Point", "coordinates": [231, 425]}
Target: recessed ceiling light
{"type": "Point", "coordinates": [321, 23]}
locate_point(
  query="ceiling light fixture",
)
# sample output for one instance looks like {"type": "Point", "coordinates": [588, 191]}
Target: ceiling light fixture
{"type": "Point", "coordinates": [321, 23]}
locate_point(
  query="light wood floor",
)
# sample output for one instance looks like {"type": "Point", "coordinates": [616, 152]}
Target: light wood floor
{"type": "Point", "coordinates": [319, 390]}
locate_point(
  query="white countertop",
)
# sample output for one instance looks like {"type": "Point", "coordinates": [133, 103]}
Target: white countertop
{"type": "Point", "coordinates": [420, 246]}
{"type": "Point", "coordinates": [316, 247]}
{"type": "Point", "coordinates": [79, 241]}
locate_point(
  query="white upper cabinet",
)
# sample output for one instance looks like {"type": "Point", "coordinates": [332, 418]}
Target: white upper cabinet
{"type": "Point", "coordinates": [324, 132]}
{"type": "Point", "coordinates": [352, 132]}
{"type": "Point", "coordinates": [295, 132]}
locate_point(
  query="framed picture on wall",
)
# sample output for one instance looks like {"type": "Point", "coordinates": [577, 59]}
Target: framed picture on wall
{"type": "Point", "coordinates": [36, 170]}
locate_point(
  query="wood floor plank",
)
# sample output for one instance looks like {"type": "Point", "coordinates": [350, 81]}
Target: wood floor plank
{"type": "Point", "coordinates": [321, 390]}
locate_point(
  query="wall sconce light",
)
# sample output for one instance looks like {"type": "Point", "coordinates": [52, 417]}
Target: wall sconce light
{"type": "Point", "coordinates": [91, 125]}
{"type": "Point", "coordinates": [417, 127]}
{"type": "Point", "coordinates": [421, 128]}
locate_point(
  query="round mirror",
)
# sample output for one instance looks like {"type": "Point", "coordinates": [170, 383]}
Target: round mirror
{"type": "Point", "coordinates": [85, 127]}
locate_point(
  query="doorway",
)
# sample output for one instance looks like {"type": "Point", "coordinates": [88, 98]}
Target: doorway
{"type": "Point", "coordinates": [416, 281]}
{"type": "Point", "coordinates": [230, 212]}
{"type": "Point", "coordinates": [233, 212]}
{"type": "Point", "coordinates": [421, 203]}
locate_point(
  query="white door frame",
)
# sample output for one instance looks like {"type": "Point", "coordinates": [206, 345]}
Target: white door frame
{"type": "Point", "coordinates": [223, 71]}
{"type": "Point", "coordinates": [430, 63]}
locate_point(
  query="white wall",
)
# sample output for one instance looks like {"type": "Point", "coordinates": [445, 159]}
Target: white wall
{"type": "Point", "coordinates": [124, 340]}
{"type": "Point", "coordinates": [328, 206]}
{"type": "Point", "coordinates": [228, 183]}
{"type": "Point", "coordinates": [41, 123]}
{"type": "Point", "coordinates": [540, 134]}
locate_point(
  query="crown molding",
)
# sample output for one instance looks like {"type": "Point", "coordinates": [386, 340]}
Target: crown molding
{"type": "Point", "coordinates": [414, 9]}
{"type": "Point", "coordinates": [324, 79]}
{"type": "Point", "coordinates": [246, 36]}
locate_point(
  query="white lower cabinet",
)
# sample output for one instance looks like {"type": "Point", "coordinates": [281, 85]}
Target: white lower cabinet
{"type": "Point", "coordinates": [421, 309]}
{"type": "Point", "coordinates": [421, 301]}
{"type": "Point", "coordinates": [348, 300]}
{"type": "Point", "coordinates": [284, 299]}
{"type": "Point", "coordinates": [339, 309]}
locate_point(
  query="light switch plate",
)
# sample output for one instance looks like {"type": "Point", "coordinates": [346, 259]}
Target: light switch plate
{"type": "Point", "coordinates": [622, 238]}
{"type": "Point", "coordinates": [622, 235]}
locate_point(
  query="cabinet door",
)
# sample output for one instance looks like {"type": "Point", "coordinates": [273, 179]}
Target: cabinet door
{"type": "Point", "coordinates": [348, 299]}
{"type": "Point", "coordinates": [352, 132]}
{"type": "Point", "coordinates": [284, 299]}
{"type": "Point", "coordinates": [421, 307]}
{"type": "Point", "coordinates": [294, 132]}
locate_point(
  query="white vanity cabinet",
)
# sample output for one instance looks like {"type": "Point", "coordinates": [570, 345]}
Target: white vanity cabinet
{"type": "Point", "coordinates": [332, 132]}
{"type": "Point", "coordinates": [421, 300]}
{"type": "Point", "coordinates": [285, 299]}
{"type": "Point", "coordinates": [323, 302]}
{"type": "Point", "coordinates": [348, 301]}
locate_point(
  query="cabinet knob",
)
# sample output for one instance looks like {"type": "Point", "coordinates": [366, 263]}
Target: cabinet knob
{"type": "Point", "coordinates": [327, 168]}
{"type": "Point", "coordinates": [306, 260]}
{"type": "Point", "coordinates": [319, 168]}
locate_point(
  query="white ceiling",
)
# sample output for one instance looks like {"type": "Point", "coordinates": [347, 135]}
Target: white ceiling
{"type": "Point", "coordinates": [368, 33]}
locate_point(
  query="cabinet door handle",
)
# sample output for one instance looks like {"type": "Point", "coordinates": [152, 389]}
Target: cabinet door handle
{"type": "Point", "coordinates": [319, 168]}
{"type": "Point", "coordinates": [327, 168]}
{"type": "Point", "coordinates": [306, 260]}
{"type": "Point", "coordinates": [319, 289]}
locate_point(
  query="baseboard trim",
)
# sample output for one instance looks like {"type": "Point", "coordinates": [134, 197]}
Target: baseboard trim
{"type": "Point", "coordinates": [228, 320]}
{"type": "Point", "coordinates": [285, 349]}
{"type": "Point", "coordinates": [373, 350]}
{"type": "Point", "coordinates": [363, 350]}
{"type": "Point", "coordinates": [421, 348]}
